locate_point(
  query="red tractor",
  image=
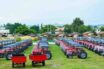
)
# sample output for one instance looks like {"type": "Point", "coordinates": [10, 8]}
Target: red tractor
{"type": "Point", "coordinates": [44, 46]}
{"type": "Point", "coordinates": [38, 56]}
{"type": "Point", "coordinates": [6, 42]}
{"type": "Point", "coordinates": [70, 48]}
{"type": "Point", "coordinates": [15, 48]}
{"type": "Point", "coordinates": [93, 44]}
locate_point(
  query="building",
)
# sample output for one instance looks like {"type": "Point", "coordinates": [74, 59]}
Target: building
{"type": "Point", "coordinates": [101, 34]}
{"type": "Point", "coordinates": [59, 31]}
{"type": "Point", "coordinates": [3, 31]}
{"type": "Point", "coordinates": [87, 34]}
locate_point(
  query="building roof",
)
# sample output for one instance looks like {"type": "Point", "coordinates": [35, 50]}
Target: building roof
{"type": "Point", "coordinates": [4, 31]}
{"type": "Point", "coordinates": [60, 29]}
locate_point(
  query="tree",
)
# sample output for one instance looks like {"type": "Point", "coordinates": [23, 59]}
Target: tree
{"type": "Point", "coordinates": [24, 30]}
{"type": "Point", "coordinates": [12, 27]}
{"type": "Point", "coordinates": [102, 28]}
{"type": "Point", "coordinates": [77, 22]}
{"type": "Point", "coordinates": [77, 26]}
{"type": "Point", "coordinates": [48, 28]}
{"type": "Point", "coordinates": [67, 28]}
{"type": "Point", "coordinates": [82, 29]}
{"type": "Point", "coordinates": [35, 28]}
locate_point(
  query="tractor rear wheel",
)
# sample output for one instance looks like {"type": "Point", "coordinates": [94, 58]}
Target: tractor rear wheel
{"type": "Point", "coordinates": [49, 55]}
{"type": "Point", "coordinates": [82, 55]}
{"type": "Point", "coordinates": [95, 51]}
{"type": "Point", "coordinates": [101, 53]}
{"type": "Point", "coordinates": [8, 56]}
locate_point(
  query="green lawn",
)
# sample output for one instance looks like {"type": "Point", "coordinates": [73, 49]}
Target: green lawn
{"type": "Point", "coordinates": [59, 61]}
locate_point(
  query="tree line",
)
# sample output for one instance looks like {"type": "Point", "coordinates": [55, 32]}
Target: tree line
{"type": "Point", "coordinates": [76, 26]}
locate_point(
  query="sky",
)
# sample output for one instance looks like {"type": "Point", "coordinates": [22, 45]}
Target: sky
{"type": "Point", "coordinates": [57, 12]}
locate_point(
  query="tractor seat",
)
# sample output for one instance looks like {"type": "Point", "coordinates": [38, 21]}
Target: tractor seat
{"type": "Point", "coordinates": [18, 55]}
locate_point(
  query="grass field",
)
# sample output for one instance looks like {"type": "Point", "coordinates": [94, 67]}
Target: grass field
{"type": "Point", "coordinates": [59, 61]}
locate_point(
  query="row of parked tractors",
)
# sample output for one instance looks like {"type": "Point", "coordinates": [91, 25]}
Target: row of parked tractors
{"type": "Point", "coordinates": [6, 42]}
{"type": "Point", "coordinates": [15, 48]}
{"type": "Point", "coordinates": [71, 48]}
{"type": "Point", "coordinates": [93, 44]}
{"type": "Point", "coordinates": [40, 54]}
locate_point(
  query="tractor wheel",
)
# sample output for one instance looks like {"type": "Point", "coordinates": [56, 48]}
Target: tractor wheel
{"type": "Point", "coordinates": [23, 64]}
{"type": "Point", "coordinates": [69, 56]}
{"type": "Point", "coordinates": [12, 65]}
{"type": "Point", "coordinates": [101, 53]}
{"type": "Point", "coordinates": [33, 63]}
{"type": "Point", "coordinates": [91, 49]}
{"type": "Point", "coordinates": [96, 51]}
{"type": "Point", "coordinates": [82, 55]}
{"type": "Point", "coordinates": [8, 56]}
{"type": "Point", "coordinates": [65, 53]}
{"type": "Point", "coordinates": [49, 55]}
{"type": "Point", "coordinates": [43, 63]}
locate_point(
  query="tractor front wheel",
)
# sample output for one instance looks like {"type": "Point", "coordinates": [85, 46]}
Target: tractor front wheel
{"type": "Point", "coordinates": [43, 63]}
{"type": "Point", "coordinates": [33, 63]}
{"type": "Point", "coordinates": [23, 64]}
{"type": "Point", "coordinates": [12, 65]}
{"type": "Point", "coordinates": [69, 56]}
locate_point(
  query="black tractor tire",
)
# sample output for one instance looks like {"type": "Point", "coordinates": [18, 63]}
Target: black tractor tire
{"type": "Point", "coordinates": [8, 56]}
{"type": "Point", "coordinates": [12, 65]}
{"type": "Point", "coordinates": [33, 64]}
{"type": "Point", "coordinates": [23, 64]}
{"type": "Point", "coordinates": [49, 55]}
{"type": "Point", "coordinates": [96, 51]}
{"type": "Point", "coordinates": [43, 63]}
{"type": "Point", "coordinates": [101, 53]}
{"type": "Point", "coordinates": [69, 56]}
{"type": "Point", "coordinates": [82, 55]}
